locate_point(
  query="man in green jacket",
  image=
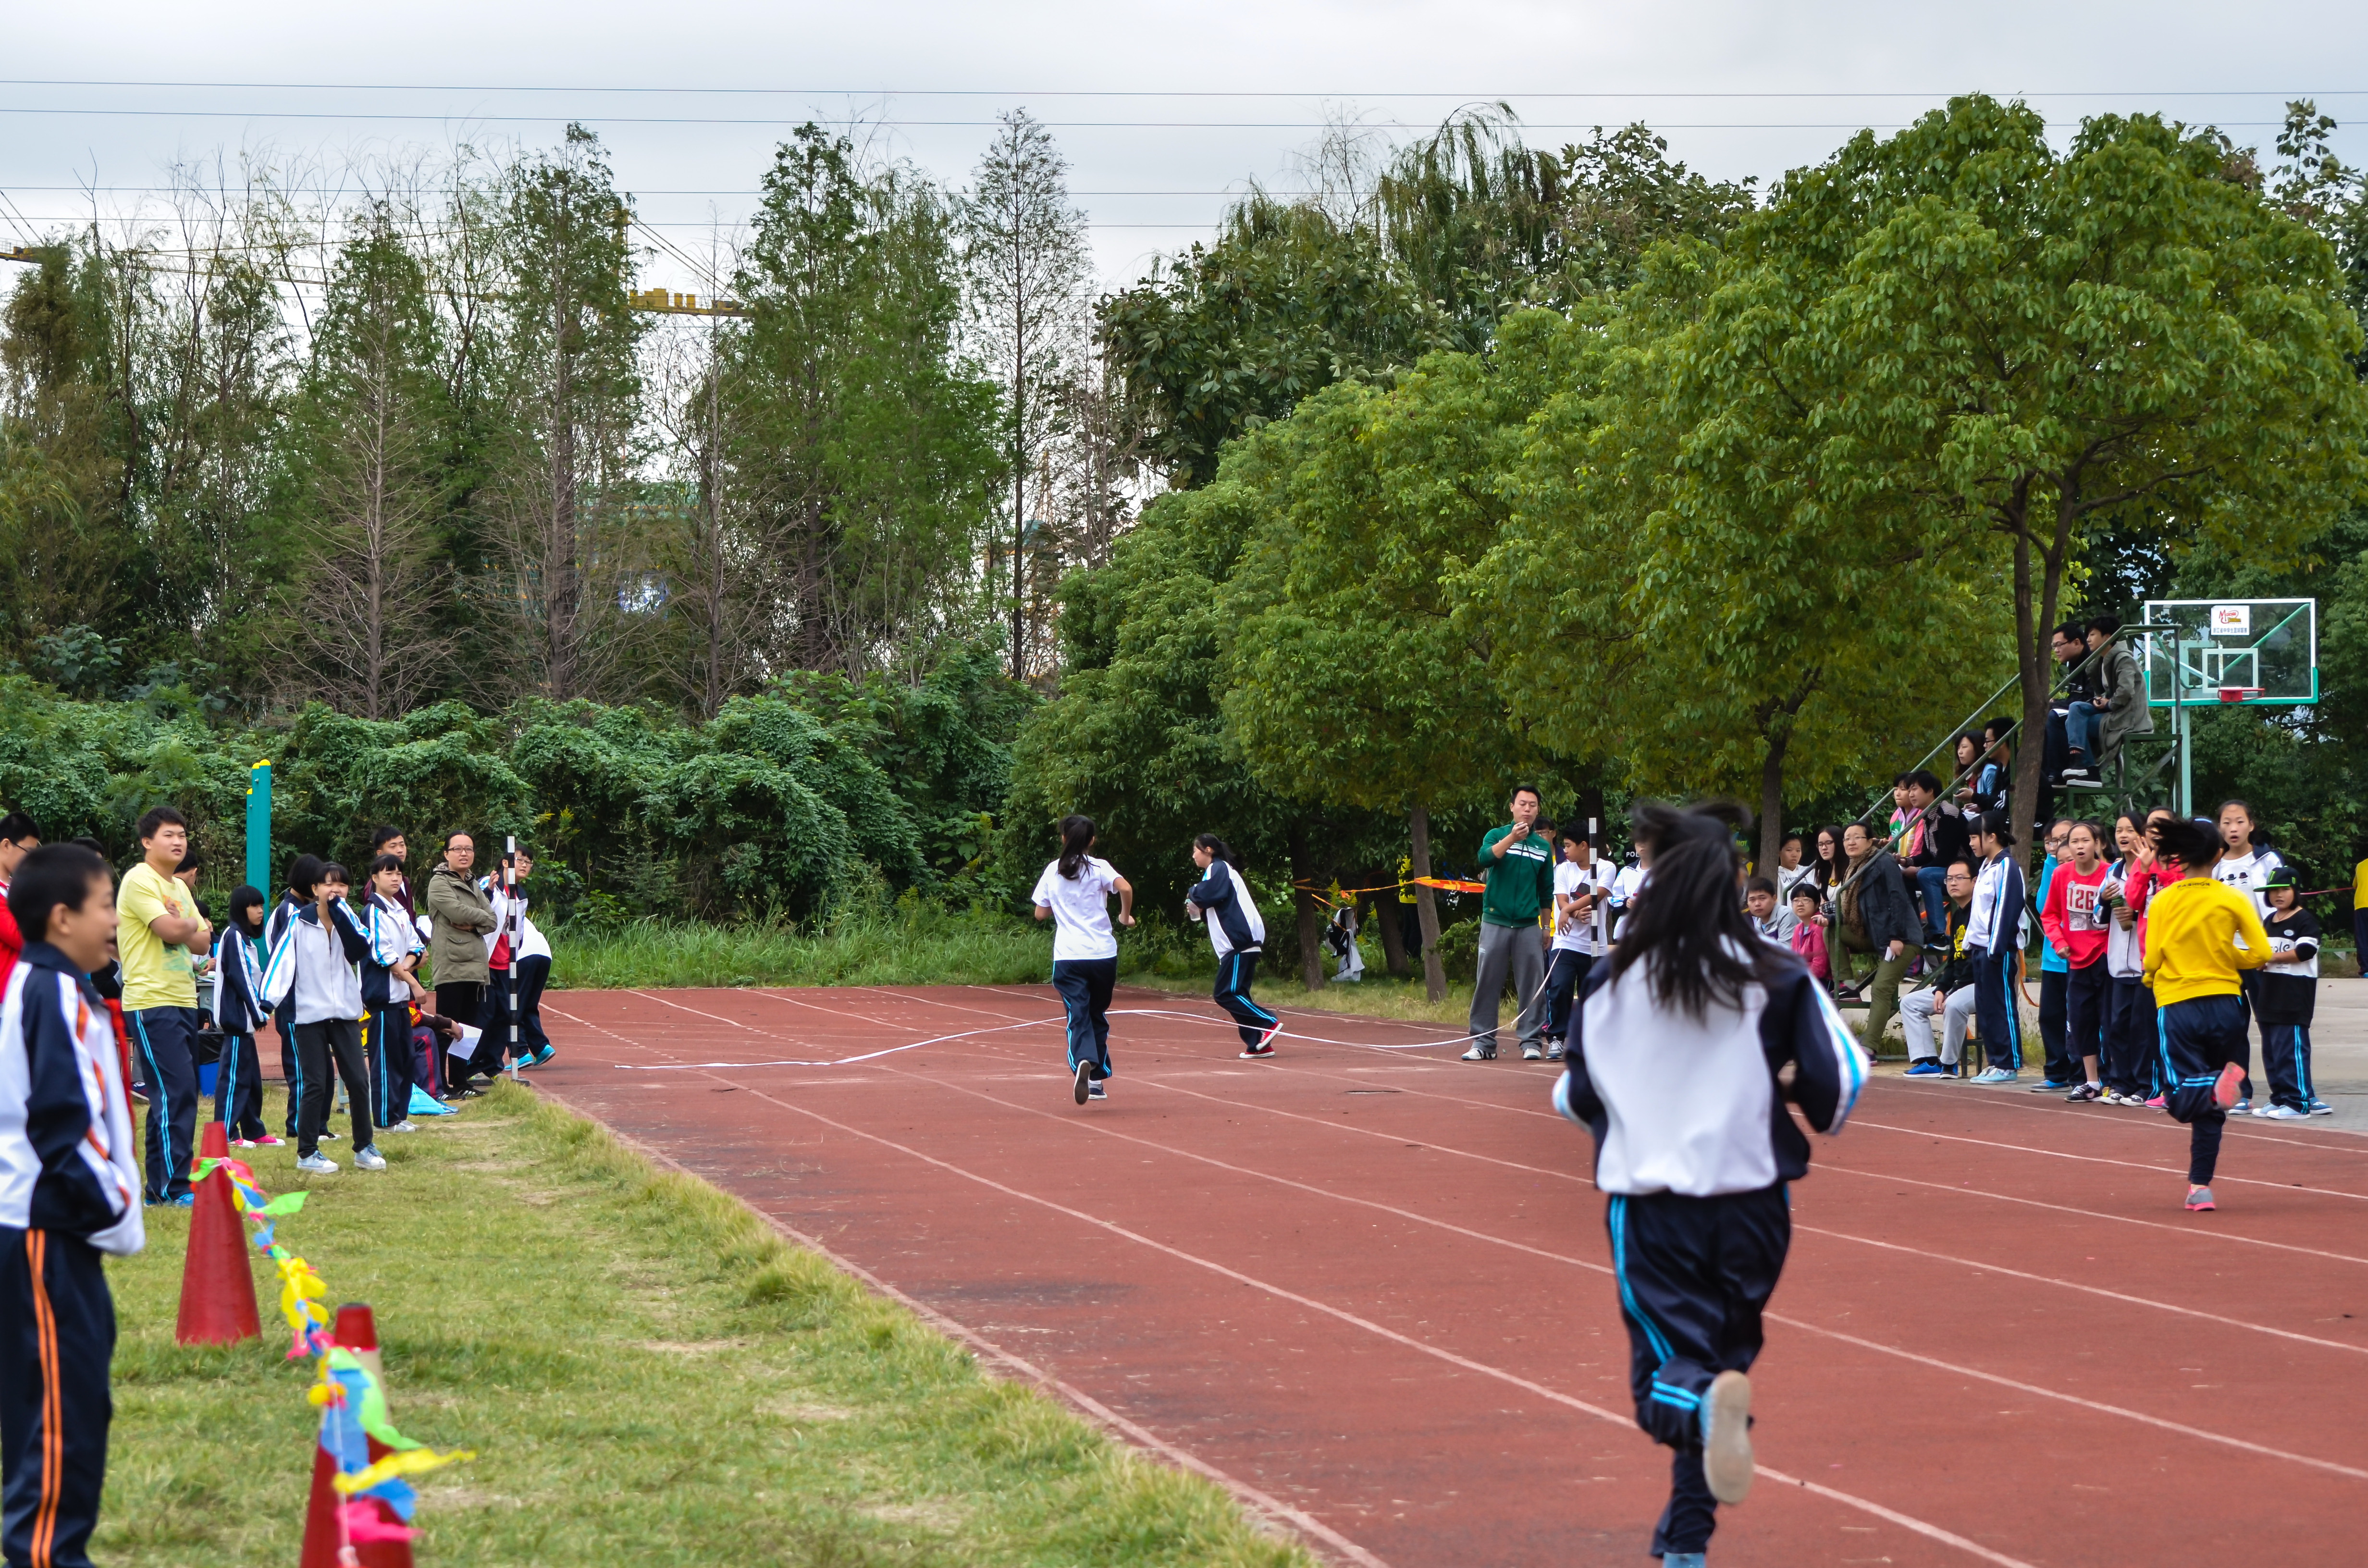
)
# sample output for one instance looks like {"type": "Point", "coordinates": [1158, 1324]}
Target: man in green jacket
{"type": "Point", "coordinates": [463, 919]}
{"type": "Point", "coordinates": [1516, 862]}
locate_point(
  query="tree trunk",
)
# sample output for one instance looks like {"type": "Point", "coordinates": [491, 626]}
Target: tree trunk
{"type": "Point", "coordinates": [2032, 625]}
{"type": "Point", "coordinates": [1771, 802]}
{"type": "Point", "coordinates": [1311, 920]}
{"type": "Point", "coordinates": [1426, 906]}
{"type": "Point", "coordinates": [1387, 914]}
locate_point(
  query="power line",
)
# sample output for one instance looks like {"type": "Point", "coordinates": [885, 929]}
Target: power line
{"type": "Point", "coordinates": [1136, 92]}
{"type": "Point", "coordinates": [920, 124]}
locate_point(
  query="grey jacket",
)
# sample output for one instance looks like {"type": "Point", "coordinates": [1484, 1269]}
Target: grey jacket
{"type": "Point", "coordinates": [2121, 699]}
{"type": "Point", "coordinates": [463, 917]}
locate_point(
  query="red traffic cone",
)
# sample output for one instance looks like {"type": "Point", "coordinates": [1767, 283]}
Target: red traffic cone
{"type": "Point", "coordinates": [217, 1281]}
{"type": "Point", "coordinates": [356, 1330]}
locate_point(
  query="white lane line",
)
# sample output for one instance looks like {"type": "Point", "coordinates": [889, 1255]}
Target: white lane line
{"type": "Point", "coordinates": [2321, 1139]}
{"type": "Point", "coordinates": [1791, 1323]}
{"type": "Point", "coordinates": [1555, 1396]}
{"type": "Point", "coordinates": [2181, 1171]}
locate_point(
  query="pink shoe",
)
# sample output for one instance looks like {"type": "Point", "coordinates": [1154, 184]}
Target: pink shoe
{"type": "Point", "coordinates": [2232, 1078]}
{"type": "Point", "coordinates": [242, 1142]}
{"type": "Point", "coordinates": [268, 1142]}
{"type": "Point", "coordinates": [2155, 1104]}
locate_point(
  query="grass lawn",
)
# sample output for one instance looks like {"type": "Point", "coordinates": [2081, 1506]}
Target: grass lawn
{"type": "Point", "coordinates": [649, 1374]}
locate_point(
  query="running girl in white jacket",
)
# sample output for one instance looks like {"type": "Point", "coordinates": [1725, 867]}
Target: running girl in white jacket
{"type": "Point", "coordinates": [1222, 900]}
{"type": "Point", "coordinates": [1675, 1062]}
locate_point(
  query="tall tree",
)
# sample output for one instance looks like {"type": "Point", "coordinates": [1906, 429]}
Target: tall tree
{"type": "Point", "coordinates": [1024, 246]}
{"type": "Point", "coordinates": [568, 570]}
{"type": "Point", "coordinates": [1349, 678]}
{"type": "Point", "coordinates": [862, 456]}
{"type": "Point", "coordinates": [365, 614]}
{"type": "Point", "coordinates": [2043, 344]}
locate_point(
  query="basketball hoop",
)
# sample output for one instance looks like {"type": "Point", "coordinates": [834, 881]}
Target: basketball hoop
{"type": "Point", "coordinates": [2238, 693]}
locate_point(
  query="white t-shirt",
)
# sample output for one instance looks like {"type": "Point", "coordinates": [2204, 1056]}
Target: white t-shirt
{"type": "Point", "coordinates": [2247, 872]}
{"type": "Point", "coordinates": [1080, 909]}
{"type": "Point", "coordinates": [1582, 934]}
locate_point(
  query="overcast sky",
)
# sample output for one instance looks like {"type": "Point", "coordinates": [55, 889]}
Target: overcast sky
{"type": "Point", "coordinates": [1162, 109]}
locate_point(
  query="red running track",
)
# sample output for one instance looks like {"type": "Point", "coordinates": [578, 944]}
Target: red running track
{"type": "Point", "coordinates": [1369, 1288]}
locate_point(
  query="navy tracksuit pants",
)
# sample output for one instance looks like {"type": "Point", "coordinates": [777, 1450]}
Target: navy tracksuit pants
{"type": "Point", "coordinates": [57, 1336]}
{"type": "Point", "coordinates": [1084, 985]}
{"type": "Point", "coordinates": [1564, 975]}
{"type": "Point", "coordinates": [1994, 1013]}
{"type": "Point", "coordinates": [291, 1069]}
{"type": "Point", "coordinates": [2196, 1039]}
{"type": "Point", "coordinates": [2088, 1009]}
{"type": "Point", "coordinates": [1694, 1275]}
{"type": "Point", "coordinates": [238, 1088]}
{"type": "Point", "coordinates": [162, 1037]}
{"type": "Point", "coordinates": [1235, 972]}
{"type": "Point", "coordinates": [531, 975]}
{"type": "Point", "coordinates": [386, 1052]}
{"type": "Point", "coordinates": [2285, 1056]}
{"type": "Point", "coordinates": [2129, 1039]}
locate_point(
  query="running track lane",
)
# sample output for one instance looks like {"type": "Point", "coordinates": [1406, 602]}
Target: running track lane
{"type": "Point", "coordinates": [1369, 1288]}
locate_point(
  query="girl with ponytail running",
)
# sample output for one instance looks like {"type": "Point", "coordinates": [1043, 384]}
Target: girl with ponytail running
{"type": "Point", "coordinates": [1222, 900]}
{"type": "Point", "coordinates": [1674, 1061]}
{"type": "Point", "coordinates": [1074, 892]}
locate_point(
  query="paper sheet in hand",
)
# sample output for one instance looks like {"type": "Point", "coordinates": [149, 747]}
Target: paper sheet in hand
{"type": "Point", "coordinates": [464, 1045]}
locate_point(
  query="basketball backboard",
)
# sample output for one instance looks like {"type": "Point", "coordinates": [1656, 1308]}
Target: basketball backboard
{"type": "Point", "coordinates": [2260, 652]}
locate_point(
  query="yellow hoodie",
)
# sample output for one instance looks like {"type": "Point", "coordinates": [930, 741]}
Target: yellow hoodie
{"type": "Point", "coordinates": [2192, 929]}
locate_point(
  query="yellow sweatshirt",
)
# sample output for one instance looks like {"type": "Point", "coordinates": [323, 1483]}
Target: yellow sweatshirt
{"type": "Point", "coordinates": [2192, 929]}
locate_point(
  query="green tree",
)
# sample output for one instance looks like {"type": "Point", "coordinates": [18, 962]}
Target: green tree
{"type": "Point", "coordinates": [860, 456]}
{"type": "Point", "coordinates": [1350, 677]}
{"type": "Point", "coordinates": [1987, 334]}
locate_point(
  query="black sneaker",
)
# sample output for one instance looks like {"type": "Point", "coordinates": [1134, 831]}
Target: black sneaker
{"type": "Point", "coordinates": [1085, 1085]}
{"type": "Point", "coordinates": [2086, 1092]}
{"type": "Point", "coordinates": [1097, 1092]}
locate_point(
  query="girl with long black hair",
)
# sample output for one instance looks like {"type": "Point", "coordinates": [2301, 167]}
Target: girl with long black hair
{"type": "Point", "coordinates": [1222, 901]}
{"type": "Point", "coordinates": [1674, 1062]}
{"type": "Point", "coordinates": [239, 1012]}
{"type": "Point", "coordinates": [1074, 892]}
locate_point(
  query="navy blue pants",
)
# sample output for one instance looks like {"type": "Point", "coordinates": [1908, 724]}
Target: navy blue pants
{"type": "Point", "coordinates": [1994, 1013]}
{"type": "Point", "coordinates": [162, 1037]}
{"type": "Point", "coordinates": [2285, 1055]}
{"type": "Point", "coordinates": [238, 1088]}
{"type": "Point", "coordinates": [531, 975]}
{"type": "Point", "coordinates": [1694, 1275]}
{"type": "Point", "coordinates": [386, 1052]}
{"type": "Point", "coordinates": [1564, 975]}
{"type": "Point", "coordinates": [291, 1070]}
{"type": "Point", "coordinates": [1235, 972]}
{"type": "Point", "coordinates": [2129, 1039]}
{"type": "Point", "coordinates": [57, 1335]}
{"type": "Point", "coordinates": [2195, 1040]}
{"type": "Point", "coordinates": [2054, 1020]}
{"type": "Point", "coordinates": [1084, 985]}
{"type": "Point", "coordinates": [494, 1018]}
{"type": "Point", "coordinates": [1933, 884]}
{"type": "Point", "coordinates": [2088, 1007]}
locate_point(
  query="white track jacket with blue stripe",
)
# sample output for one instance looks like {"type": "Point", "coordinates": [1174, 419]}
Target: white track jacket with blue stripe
{"type": "Point", "coordinates": [1693, 1106]}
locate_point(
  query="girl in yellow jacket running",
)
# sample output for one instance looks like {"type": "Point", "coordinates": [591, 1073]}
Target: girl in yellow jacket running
{"type": "Point", "coordinates": [2199, 932]}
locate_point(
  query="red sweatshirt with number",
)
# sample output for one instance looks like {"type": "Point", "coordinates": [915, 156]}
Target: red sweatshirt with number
{"type": "Point", "coordinates": [2074, 918]}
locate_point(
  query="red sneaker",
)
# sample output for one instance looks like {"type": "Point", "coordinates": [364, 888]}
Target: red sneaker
{"type": "Point", "coordinates": [2232, 1079]}
{"type": "Point", "coordinates": [268, 1142]}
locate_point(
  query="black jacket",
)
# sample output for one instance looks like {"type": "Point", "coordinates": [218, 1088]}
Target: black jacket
{"type": "Point", "coordinates": [1883, 905]}
{"type": "Point", "coordinates": [1946, 838]}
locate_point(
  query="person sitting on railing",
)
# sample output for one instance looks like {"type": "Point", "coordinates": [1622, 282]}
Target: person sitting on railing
{"type": "Point", "coordinates": [1994, 784]}
{"type": "Point", "coordinates": [2071, 713]}
{"type": "Point", "coordinates": [2119, 710]}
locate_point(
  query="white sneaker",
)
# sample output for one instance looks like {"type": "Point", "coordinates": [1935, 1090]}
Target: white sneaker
{"type": "Point", "coordinates": [1726, 1436]}
{"type": "Point", "coordinates": [1481, 1053]}
{"type": "Point", "coordinates": [2282, 1113]}
{"type": "Point", "coordinates": [400, 1127]}
{"type": "Point", "coordinates": [316, 1165]}
{"type": "Point", "coordinates": [1533, 1054]}
{"type": "Point", "coordinates": [368, 1160]}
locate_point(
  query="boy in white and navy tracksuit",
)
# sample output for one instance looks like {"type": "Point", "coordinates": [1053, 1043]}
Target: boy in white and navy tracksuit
{"type": "Point", "coordinates": [1694, 1147]}
{"type": "Point", "coordinates": [70, 1184]}
{"type": "Point", "coordinates": [1222, 900]}
{"type": "Point", "coordinates": [239, 1013]}
{"type": "Point", "coordinates": [283, 1014]}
